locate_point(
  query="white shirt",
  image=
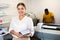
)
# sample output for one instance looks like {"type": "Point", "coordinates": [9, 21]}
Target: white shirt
{"type": "Point", "coordinates": [21, 25]}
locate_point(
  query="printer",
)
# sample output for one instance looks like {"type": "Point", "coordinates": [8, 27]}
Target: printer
{"type": "Point", "coordinates": [49, 26]}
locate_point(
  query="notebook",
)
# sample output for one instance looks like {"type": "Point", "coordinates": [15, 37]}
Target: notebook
{"type": "Point", "coordinates": [24, 32]}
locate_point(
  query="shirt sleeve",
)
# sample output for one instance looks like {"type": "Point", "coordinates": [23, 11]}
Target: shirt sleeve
{"type": "Point", "coordinates": [43, 15]}
{"type": "Point", "coordinates": [31, 27]}
{"type": "Point", "coordinates": [51, 14]}
{"type": "Point", "coordinates": [11, 25]}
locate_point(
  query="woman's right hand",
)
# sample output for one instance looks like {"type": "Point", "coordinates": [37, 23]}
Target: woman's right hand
{"type": "Point", "coordinates": [18, 35]}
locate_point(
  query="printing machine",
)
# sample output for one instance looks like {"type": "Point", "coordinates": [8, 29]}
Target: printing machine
{"type": "Point", "coordinates": [51, 26]}
{"type": "Point", "coordinates": [48, 31]}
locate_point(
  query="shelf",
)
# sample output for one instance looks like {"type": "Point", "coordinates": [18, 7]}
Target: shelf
{"type": "Point", "coordinates": [3, 23]}
{"type": "Point", "coordinates": [3, 6]}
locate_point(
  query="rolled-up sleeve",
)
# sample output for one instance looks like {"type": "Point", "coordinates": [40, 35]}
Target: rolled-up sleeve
{"type": "Point", "coordinates": [11, 25]}
{"type": "Point", "coordinates": [31, 27]}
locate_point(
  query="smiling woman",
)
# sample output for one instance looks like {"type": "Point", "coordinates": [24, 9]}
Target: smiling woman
{"type": "Point", "coordinates": [21, 24]}
{"type": "Point", "coordinates": [21, 9]}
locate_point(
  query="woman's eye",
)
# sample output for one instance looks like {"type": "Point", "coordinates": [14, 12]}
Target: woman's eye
{"type": "Point", "coordinates": [22, 8]}
{"type": "Point", "coordinates": [18, 8]}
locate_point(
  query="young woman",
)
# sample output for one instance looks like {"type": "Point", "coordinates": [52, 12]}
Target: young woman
{"type": "Point", "coordinates": [21, 23]}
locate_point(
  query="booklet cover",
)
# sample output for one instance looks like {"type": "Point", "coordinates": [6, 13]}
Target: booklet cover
{"type": "Point", "coordinates": [25, 32]}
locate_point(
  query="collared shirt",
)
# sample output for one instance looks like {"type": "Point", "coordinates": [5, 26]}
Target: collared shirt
{"type": "Point", "coordinates": [21, 25]}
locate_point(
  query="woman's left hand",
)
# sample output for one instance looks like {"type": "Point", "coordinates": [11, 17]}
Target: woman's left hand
{"type": "Point", "coordinates": [26, 35]}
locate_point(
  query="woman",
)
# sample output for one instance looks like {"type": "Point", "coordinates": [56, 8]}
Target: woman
{"type": "Point", "coordinates": [21, 23]}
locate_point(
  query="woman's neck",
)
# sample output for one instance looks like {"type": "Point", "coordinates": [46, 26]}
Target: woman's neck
{"type": "Point", "coordinates": [21, 17]}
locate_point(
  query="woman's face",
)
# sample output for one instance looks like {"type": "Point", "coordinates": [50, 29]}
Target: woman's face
{"type": "Point", "coordinates": [21, 10]}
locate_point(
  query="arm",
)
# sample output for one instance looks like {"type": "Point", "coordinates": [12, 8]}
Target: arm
{"type": "Point", "coordinates": [53, 19]}
{"type": "Point", "coordinates": [16, 33]}
{"type": "Point", "coordinates": [43, 20]}
{"type": "Point", "coordinates": [31, 28]}
{"type": "Point", "coordinates": [11, 29]}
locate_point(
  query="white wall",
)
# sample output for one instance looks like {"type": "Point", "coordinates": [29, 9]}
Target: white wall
{"type": "Point", "coordinates": [12, 6]}
{"type": "Point", "coordinates": [11, 10]}
{"type": "Point", "coordinates": [38, 6]}
{"type": "Point", "coordinates": [35, 6]}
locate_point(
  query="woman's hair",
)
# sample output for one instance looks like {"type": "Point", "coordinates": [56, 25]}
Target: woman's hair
{"type": "Point", "coordinates": [21, 4]}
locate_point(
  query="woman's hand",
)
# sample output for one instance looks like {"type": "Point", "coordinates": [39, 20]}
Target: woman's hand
{"type": "Point", "coordinates": [27, 35]}
{"type": "Point", "coordinates": [18, 35]}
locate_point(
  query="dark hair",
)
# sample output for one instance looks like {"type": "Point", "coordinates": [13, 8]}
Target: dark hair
{"type": "Point", "coordinates": [46, 9]}
{"type": "Point", "coordinates": [21, 4]}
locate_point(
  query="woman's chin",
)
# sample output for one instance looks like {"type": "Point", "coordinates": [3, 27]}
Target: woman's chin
{"type": "Point", "coordinates": [21, 14]}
